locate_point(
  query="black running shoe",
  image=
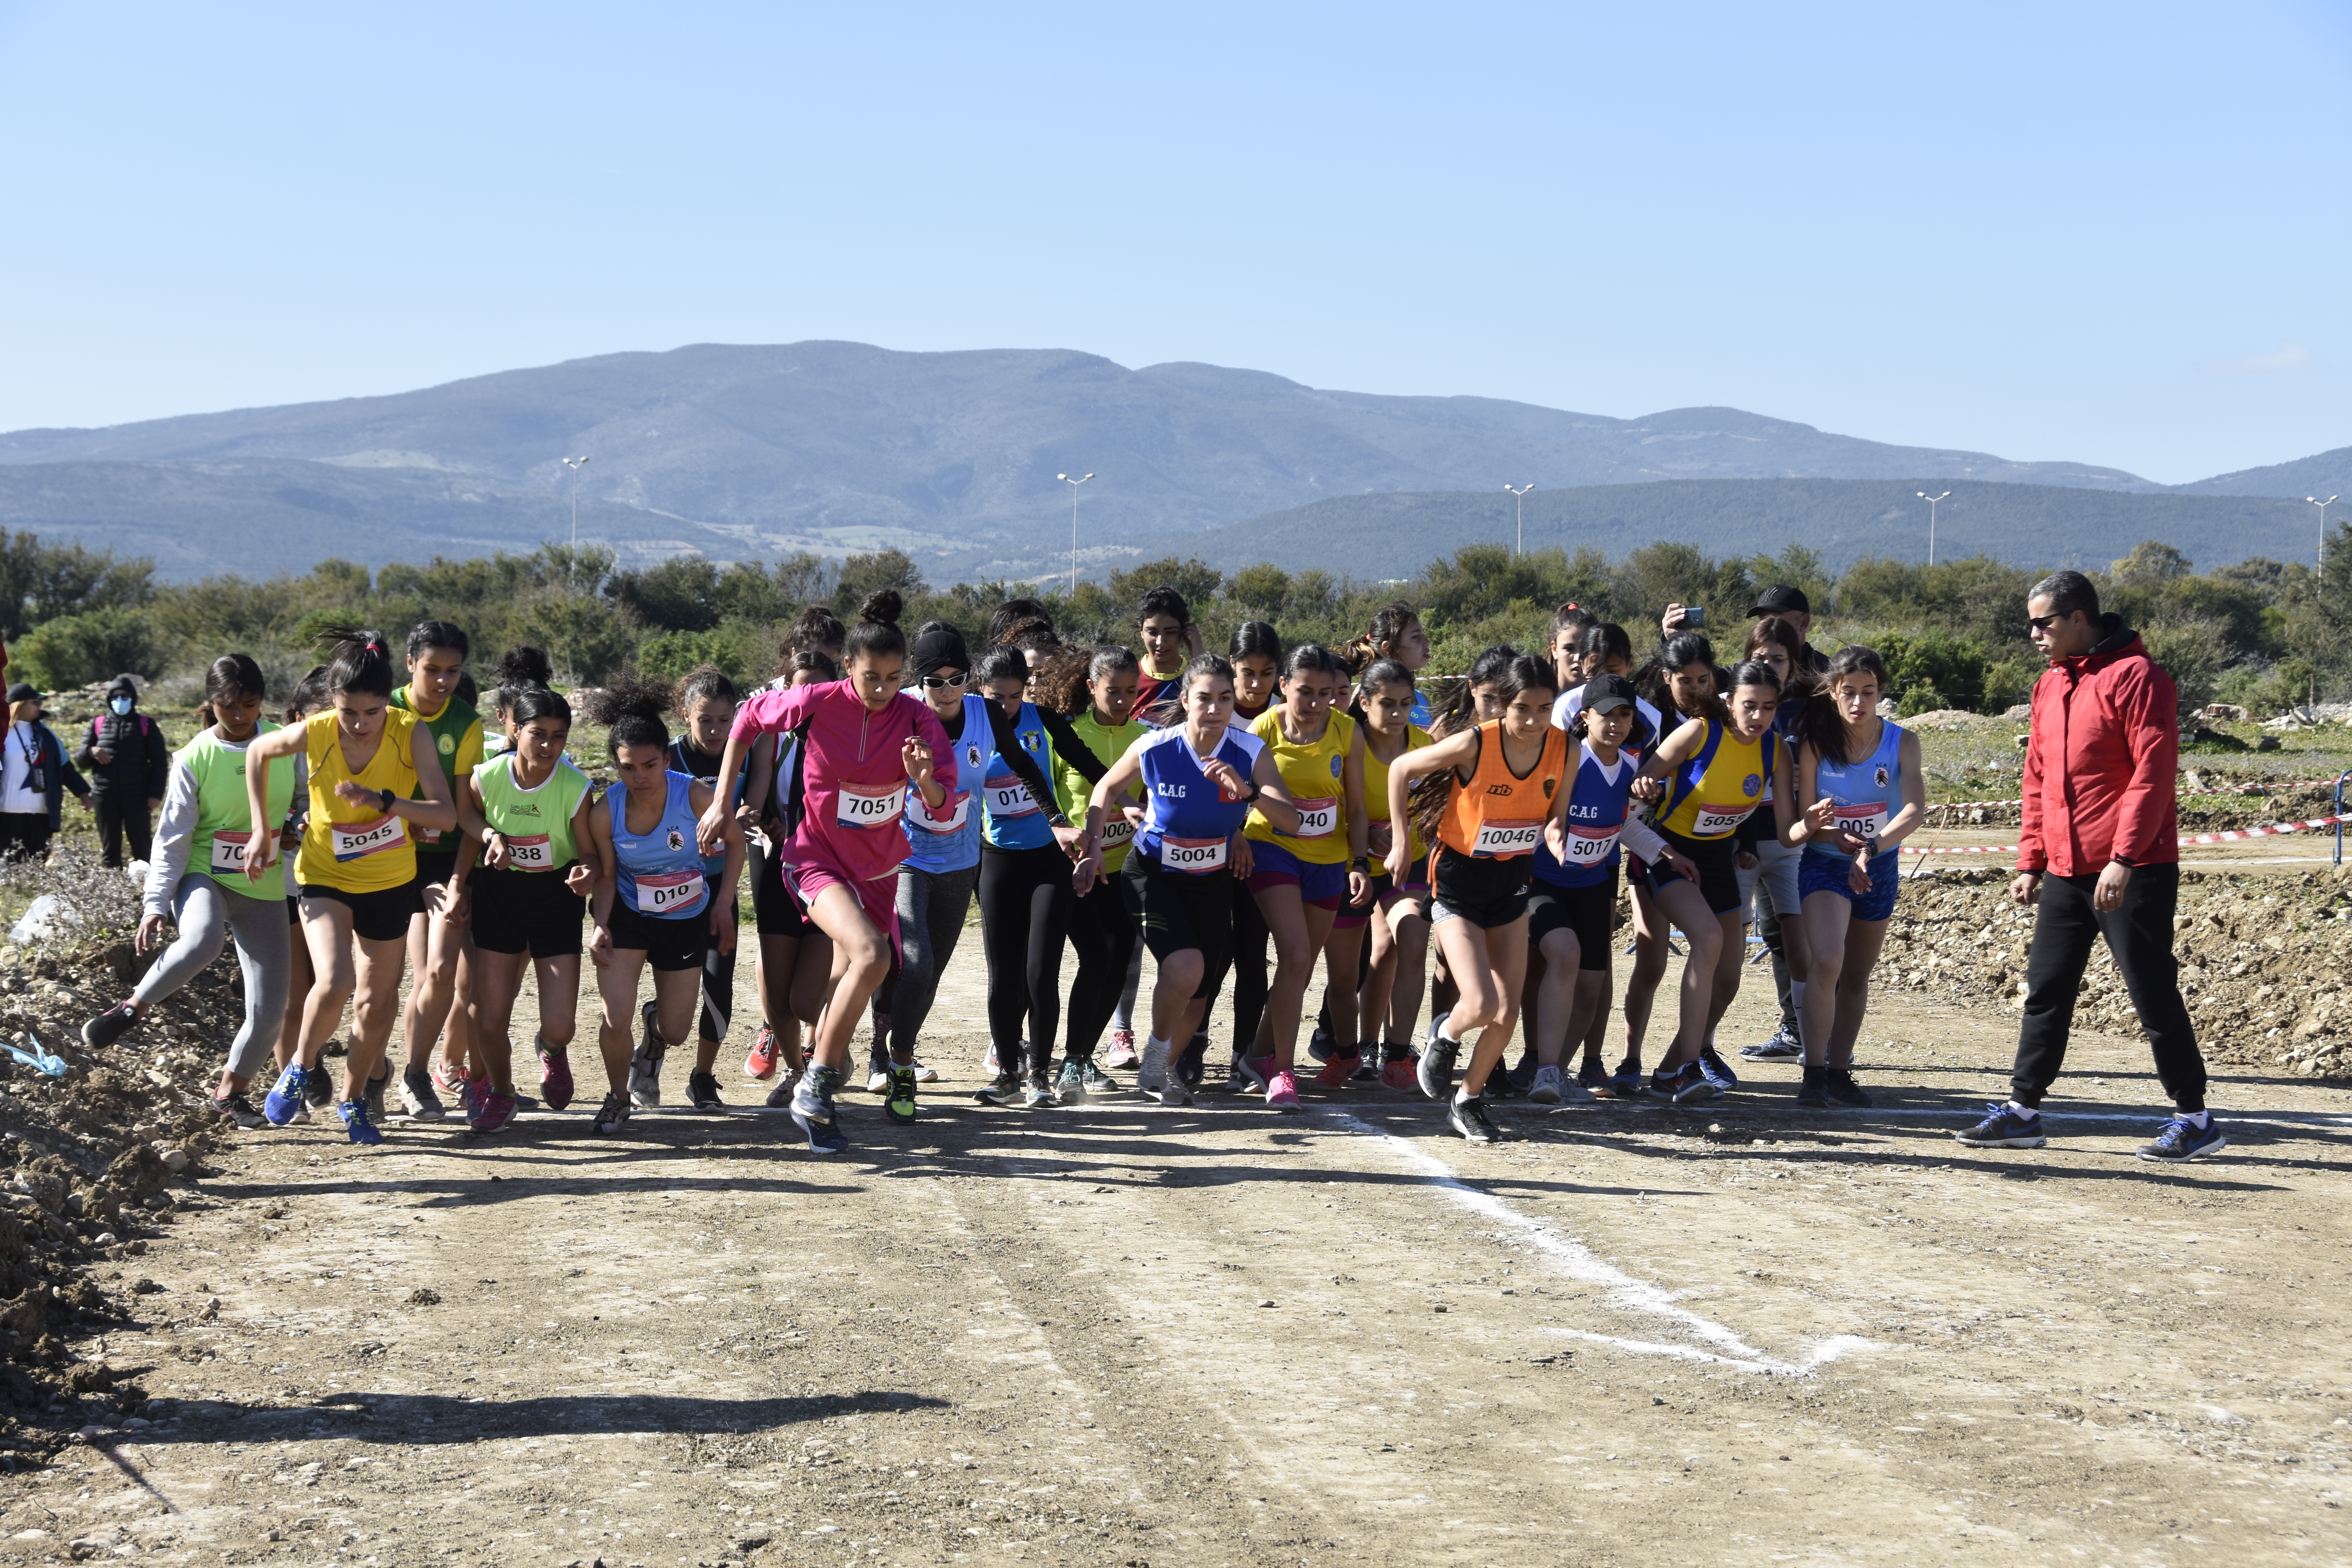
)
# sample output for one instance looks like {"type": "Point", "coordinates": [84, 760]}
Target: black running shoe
{"type": "Point", "coordinates": [1468, 1117]}
{"type": "Point", "coordinates": [1846, 1091]}
{"type": "Point", "coordinates": [1437, 1067]}
{"type": "Point", "coordinates": [319, 1091]}
{"type": "Point", "coordinates": [1005, 1091]}
{"type": "Point", "coordinates": [612, 1116]}
{"type": "Point", "coordinates": [375, 1096]}
{"type": "Point", "coordinates": [237, 1111]}
{"type": "Point", "coordinates": [702, 1092]}
{"type": "Point", "coordinates": [899, 1104]}
{"type": "Point", "coordinates": [1192, 1061]}
{"type": "Point", "coordinates": [109, 1026]}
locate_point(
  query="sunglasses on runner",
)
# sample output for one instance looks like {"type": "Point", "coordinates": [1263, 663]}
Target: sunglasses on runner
{"type": "Point", "coordinates": [946, 680]}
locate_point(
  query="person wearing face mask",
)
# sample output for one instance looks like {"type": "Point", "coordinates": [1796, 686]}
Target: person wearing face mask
{"type": "Point", "coordinates": [33, 778]}
{"type": "Point", "coordinates": [130, 766]}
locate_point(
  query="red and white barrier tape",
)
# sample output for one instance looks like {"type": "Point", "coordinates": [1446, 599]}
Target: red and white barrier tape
{"type": "Point", "coordinates": [2231, 836]}
{"type": "Point", "coordinates": [2225, 789]}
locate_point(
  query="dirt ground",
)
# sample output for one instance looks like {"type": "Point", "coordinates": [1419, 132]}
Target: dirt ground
{"type": "Point", "coordinates": [1127, 1335]}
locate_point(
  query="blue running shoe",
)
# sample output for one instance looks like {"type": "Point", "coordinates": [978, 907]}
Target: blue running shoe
{"type": "Point", "coordinates": [2184, 1139]}
{"type": "Point", "coordinates": [812, 1108]}
{"type": "Point", "coordinates": [357, 1123]}
{"type": "Point", "coordinates": [2003, 1129]}
{"type": "Point", "coordinates": [285, 1102]}
{"type": "Point", "coordinates": [1625, 1083]}
{"type": "Point", "coordinates": [1716, 1070]}
{"type": "Point", "coordinates": [1691, 1085]}
{"type": "Point", "coordinates": [1663, 1081]}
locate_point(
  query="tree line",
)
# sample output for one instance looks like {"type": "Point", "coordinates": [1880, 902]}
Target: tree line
{"type": "Point", "coordinates": [2262, 632]}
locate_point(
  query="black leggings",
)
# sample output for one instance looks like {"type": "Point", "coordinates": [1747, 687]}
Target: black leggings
{"type": "Point", "coordinates": [1104, 934]}
{"type": "Point", "coordinates": [717, 980]}
{"type": "Point", "coordinates": [1248, 971]}
{"type": "Point", "coordinates": [1025, 901]}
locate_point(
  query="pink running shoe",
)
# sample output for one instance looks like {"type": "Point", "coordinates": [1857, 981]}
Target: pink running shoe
{"type": "Point", "coordinates": [761, 1063]}
{"type": "Point", "coordinates": [471, 1093]}
{"type": "Point", "coordinates": [1122, 1049]}
{"type": "Point", "coordinates": [1282, 1090]}
{"type": "Point", "coordinates": [492, 1112]}
{"type": "Point", "coordinates": [554, 1078]}
{"type": "Point", "coordinates": [1259, 1070]}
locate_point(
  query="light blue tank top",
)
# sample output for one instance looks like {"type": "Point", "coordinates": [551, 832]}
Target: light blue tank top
{"type": "Point", "coordinates": [1867, 793]}
{"type": "Point", "coordinates": [1016, 819]}
{"type": "Point", "coordinates": [954, 845]}
{"type": "Point", "coordinates": [1188, 825]}
{"type": "Point", "coordinates": [660, 871]}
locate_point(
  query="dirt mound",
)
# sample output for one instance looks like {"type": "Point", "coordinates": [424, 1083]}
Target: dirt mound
{"type": "Point", "coordinates": [2264, 960]}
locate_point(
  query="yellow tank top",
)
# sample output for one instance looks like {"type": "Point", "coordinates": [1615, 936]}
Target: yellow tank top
{"type": "Point", "coordinates": [1376, 782]}
{"type": "Point", "coordinates": [1314, 774]}
{"type": "Point", "coordinates": [1713, 793]}
{"type": "Point", "coordinates": [358, 848]}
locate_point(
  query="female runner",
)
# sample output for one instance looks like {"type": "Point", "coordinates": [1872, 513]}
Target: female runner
{"type": "Point", "coordinates": [1105, 687]}
{"type": "Point", "coordinates": [1255, 654]}
{"type": "Point", "coordinates": [937, 879]}
{"type": "Point", "coordinates": [1778, 916]}
{"type": "Point", "coordinates": [864, 742]}
{"type": "Point", "coordinates": [793, 966]}
{"type": "Point", "coordinates": [439, 946]}
{"type": "Point", "coordinates": [1399, 953]}
{"type": "Point", "coordinates": [1851, 767]}
{"type": "Point", "coordinates": [1720, 770]}
{"type": "Point", "coordinates": [529, 895]}
{"type": "Point", "coordinates": [1396, 634]}
{"type": "Point", "coordinates": [1301, 878]}
{"type": "Point", "coordinates": [1501, 797]}
{"type": "Point", "coordinates": [1163, 624]}
{"type": "Point", "coordinates": [357, 865]}
{"type": "Point", "coordinates": [1200, 780]}
{"type": "Point", "coordinates": [1477, 700]}
{"type": "Point", "coordinates": [197, 878]}
{"type": "Point", "coordinates": [1026, 850]}
{"type": "Point", "coordinates": [653, 901]}
{"type": "Point", "coordinates": [705, 701]}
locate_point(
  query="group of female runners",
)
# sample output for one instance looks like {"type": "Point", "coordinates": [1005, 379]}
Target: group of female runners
{"type": "Point", "coordinates": [1200, 805]}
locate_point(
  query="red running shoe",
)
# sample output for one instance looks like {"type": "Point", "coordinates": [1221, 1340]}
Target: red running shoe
{"type": "Point", "coordinates": [492, 1112]}
{"type": "Point", "coordinates": [1401, 1074]}
{"type": "Point", "coordinates": [1337, 1071]}
{"type": "Point", "coordinates": [761, 1063]}
{"type": "Point", "coordinates": [554, 1078]}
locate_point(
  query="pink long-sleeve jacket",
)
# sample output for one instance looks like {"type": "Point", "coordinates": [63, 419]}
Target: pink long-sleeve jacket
{"type": "Point", "coordinates": [854, 776]}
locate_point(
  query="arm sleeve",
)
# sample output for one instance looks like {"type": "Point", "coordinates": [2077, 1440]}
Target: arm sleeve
{"type": "Point", "coordinates": [2144, 820]}
{"type": "Point", "coordinates": [1071, 749]}
{"type": "Point", "coordinates": [2033, 855]}
{"type": "Point", "coordinates": [1024, 766]}
{"type": "Point", "coordinates": [174, 834]}
{"type": "Point", "coordinates": [1641, 838]}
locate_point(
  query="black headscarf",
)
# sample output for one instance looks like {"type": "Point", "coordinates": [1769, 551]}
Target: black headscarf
{"type": "Point", "coordinates": [942, 649]}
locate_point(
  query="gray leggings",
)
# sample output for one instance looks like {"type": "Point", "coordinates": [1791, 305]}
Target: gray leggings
{"type": "Point", "coordinates": [931, 906]}
{"type": "Point", "coordinates": [206, 913]}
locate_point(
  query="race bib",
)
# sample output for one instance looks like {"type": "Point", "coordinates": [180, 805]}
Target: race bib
{"type": "Point", "coordinates": [1317, 818]}
{"type": "Point", "coordinates": [229, 853]}
{"type": "Point", "coordinates": [1117, 830]}
{"type": "Point", "coordinates": [1715, 821]}
{"type": "Point", "coordinates": [1590, 847]}
{"type": "Point", "coordinates": [854, 808]}
{"type": "Point", "coordinates": [535, 853]}
{"type": "Point", "coordinates": [954, 824]}
{"type": "Point", "coordinates": [1864, 818]}
{"type": "Point", "coordinates": [352, 840]}
{"type": "Point", "coordinates": [669, 892]}
{"type": "Point", "coordinates": [1499, 840]}
{"type": "Point", "coordinates": [1192, 856]}
{"type": "Point", "coordinates": [1008, 796]}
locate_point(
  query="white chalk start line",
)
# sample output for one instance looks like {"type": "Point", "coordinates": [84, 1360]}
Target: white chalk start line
{"type": "Point", "coordinates": [1629, 1294]}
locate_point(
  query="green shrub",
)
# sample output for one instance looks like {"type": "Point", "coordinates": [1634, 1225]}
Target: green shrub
{"type": "Point", "coordinates": [79, 650]}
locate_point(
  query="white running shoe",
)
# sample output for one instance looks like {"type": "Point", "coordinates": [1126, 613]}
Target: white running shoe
{"type": "Point", "coordinates": [1152, 1076]}
{"type": "Point", "coordinates": [1546, 1090]}
{"type": "Point", "coordinates": [925, 1074]}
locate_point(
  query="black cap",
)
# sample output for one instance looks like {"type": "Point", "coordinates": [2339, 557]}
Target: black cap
{"type": "Point", "coordinates": [20, 692]}
{"type": "Point", "coordinates": [1603, 692]}
{"type": "Point", "coordinates": [1780, 599]}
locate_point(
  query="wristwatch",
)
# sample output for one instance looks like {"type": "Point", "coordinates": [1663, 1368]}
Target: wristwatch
{"type": "Point", "coordinates": [388, 798]}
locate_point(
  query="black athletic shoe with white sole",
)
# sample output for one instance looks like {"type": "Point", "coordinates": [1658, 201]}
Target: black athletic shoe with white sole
{"type": "Point", "coordinates": [1436, 1070]}
{"type": "Point", "coordinates": [1468, 1117]}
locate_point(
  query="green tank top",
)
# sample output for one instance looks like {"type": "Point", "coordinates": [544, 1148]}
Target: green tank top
{"type": "Point", "coordinates": [1076, 792]}
{"type": "Point", "coordinates": [457, 741]}
{"type": "Point", "coordinates": [223, 820]}
{"type": "Point", "coordinates": [535, 823]}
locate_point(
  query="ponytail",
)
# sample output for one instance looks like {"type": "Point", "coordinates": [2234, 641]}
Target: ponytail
{"type": "Point", "coordinates": [357, 661]}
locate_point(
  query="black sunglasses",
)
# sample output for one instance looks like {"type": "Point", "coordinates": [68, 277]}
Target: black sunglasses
{"type": "Point", "coordinates": [950, 681]}
{"type": "Point", "coordinates": [2040, 623]}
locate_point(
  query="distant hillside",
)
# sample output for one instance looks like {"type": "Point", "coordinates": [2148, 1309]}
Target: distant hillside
{"type": "Point", "coordinates": [2326, 474]}
{"type": "Point", "coordinates": [1395, 535]}
{"type": "Point", "coordinates": [833, 447]}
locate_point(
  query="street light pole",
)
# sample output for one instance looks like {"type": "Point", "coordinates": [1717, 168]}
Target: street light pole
{"type": "Point", "coordinates": [1520, 496]}
{"type": "Point", "coordinates": [2323, 506]}
{"type": "Point", "coordinates": [575, 465]}
{"type": "Point", "coordinates": [1074, 485]}
{"type": "Point", "coordinates": [1931, 501]}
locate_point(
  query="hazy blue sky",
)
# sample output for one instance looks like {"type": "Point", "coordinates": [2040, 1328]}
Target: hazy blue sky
{"type": "Point", "coordinates": [2112, 232]}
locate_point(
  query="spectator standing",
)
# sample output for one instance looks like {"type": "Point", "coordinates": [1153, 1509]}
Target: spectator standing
{"type": "Point", "coordinates": [131, 763]}
{"type": "Point", "coordinates": [2100, 853]}
{"type": "Point", "coordinates": [34, 777]}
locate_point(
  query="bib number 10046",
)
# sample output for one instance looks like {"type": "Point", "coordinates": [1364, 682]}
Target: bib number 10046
{"type": "Point", "coordinates": [1501, 840]}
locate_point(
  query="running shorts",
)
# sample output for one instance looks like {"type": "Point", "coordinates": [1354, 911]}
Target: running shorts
{"type": "Point", "coordinates": [1177, 910]}
{"type": "Point", "coordinates": [1718, 871]}
{"type": "Point", "coordinates": [668, 945]}
{"type": "Point", "coordinates": [1827, 874]}
{"type": "Point", "coordinates": [1488, 893]}
{"type": "Point", "coordinates": [526, 911]}
{"type": "Point", "coordinates": [380, 916]}
{"type": "Point", "coordinates": [1321, 884]}
{"type": "Point", "coordinates": [1591, 912]}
